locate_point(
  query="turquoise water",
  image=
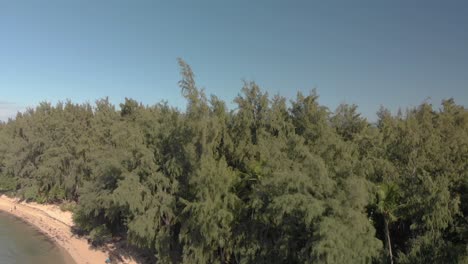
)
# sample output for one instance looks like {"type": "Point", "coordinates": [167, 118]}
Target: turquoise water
{"type": "Point", "coordinates": [21, 243]}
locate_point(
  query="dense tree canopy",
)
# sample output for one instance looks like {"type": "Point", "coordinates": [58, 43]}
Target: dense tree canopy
{"type": "Point", "coordinates": [271, 181]}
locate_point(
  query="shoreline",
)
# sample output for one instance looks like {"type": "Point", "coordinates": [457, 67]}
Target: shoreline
{"type": "Point", "coordinates": [56, 225]}
{"type": "Point", "coordinates": [64, 253]}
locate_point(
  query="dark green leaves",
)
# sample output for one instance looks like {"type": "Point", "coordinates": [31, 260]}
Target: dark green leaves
{"type": "Point", "coordinates": [271, 181]}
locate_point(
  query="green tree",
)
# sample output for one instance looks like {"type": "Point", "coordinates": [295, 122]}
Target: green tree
{"type": "Point", "coordinates": [387, 205]}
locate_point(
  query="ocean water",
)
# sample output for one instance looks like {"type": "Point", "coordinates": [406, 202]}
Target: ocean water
{"type": "Point", "coordinates": [21, 243]}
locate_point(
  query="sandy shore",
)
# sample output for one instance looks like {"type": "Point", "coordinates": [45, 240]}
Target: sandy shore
{"type": "Point", "coordinates": [57, 225]}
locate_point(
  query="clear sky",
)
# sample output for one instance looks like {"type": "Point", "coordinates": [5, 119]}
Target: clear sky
{"type": "Point", "coordinates": [392, 53]}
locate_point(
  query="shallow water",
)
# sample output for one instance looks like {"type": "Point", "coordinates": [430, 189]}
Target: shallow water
{"type": "Point", "coordinates": [21, 243]}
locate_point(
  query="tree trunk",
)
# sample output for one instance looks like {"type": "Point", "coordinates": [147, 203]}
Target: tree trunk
{"type": "Point", "coordinates": [387, 236]}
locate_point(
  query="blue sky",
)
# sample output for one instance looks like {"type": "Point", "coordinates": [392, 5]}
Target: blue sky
{"type": "Point", "coordinates": [391, 53]}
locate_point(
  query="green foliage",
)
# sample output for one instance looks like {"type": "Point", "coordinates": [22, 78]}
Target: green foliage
{"type": "Point", "coordinates": [100, 235]}
{"type": "Point", "coordinates": [388, 200]}
{"type": "Point", "coordinates": [32, 193]}
{"type": "Point", "coordinates": [68, 206]}
{"type": "Point", "coordinates": [269, 182]}
{"type": "Point", "coordinates": [7, 184]}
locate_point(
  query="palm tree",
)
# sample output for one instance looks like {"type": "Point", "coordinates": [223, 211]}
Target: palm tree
{"type": "Point", "coordinates": [387, 203]}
